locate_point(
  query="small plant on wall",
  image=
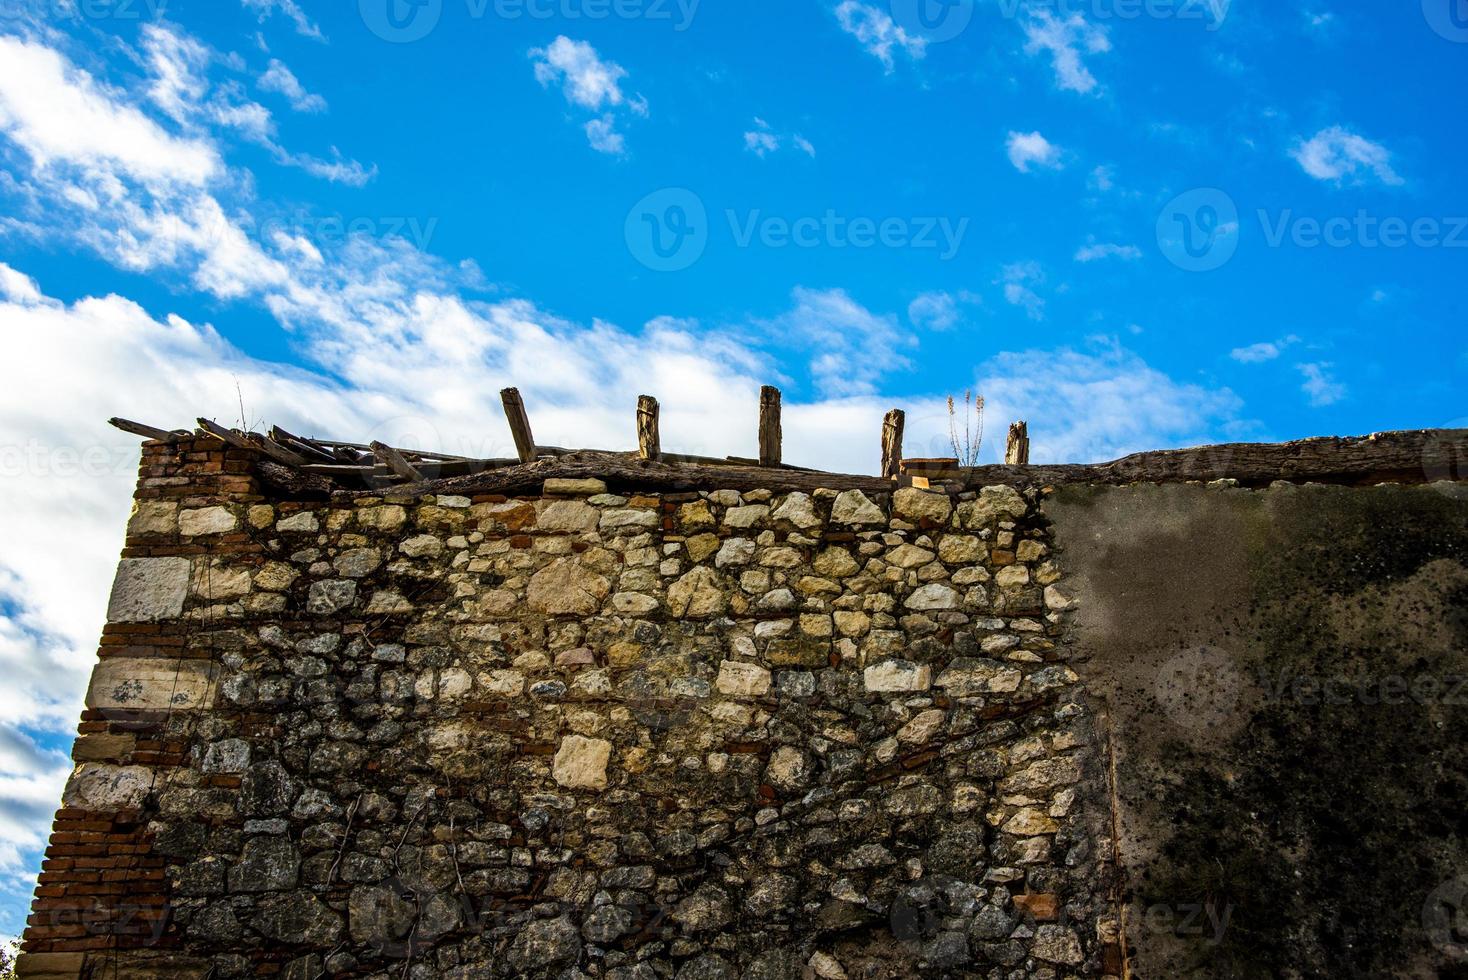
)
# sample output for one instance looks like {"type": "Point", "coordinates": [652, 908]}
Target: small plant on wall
{"type": "Point", "coordinates": [966, 428]}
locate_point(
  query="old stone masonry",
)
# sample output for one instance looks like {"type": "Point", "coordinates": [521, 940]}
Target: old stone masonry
{"type": "Point", "coordinates": [584, 734]}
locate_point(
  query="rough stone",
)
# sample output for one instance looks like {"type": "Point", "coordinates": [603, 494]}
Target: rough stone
{"type": "Point", "coordinates": [581, 763]}
{"type": "Point", "coordinates": [149, 589]}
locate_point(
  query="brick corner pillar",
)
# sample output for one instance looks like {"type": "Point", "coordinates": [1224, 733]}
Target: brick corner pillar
{"type": "Point", "coordinates": [102, 905]}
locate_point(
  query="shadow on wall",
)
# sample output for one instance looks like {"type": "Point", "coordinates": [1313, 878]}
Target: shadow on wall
{"type": "Point", "coordinates": [1286, 674]}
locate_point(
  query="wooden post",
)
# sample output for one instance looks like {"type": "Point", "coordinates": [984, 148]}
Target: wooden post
{"type": "Point", "coordinates": [649, 443]}
{"type": "Point", "coordinates": [396, 461]}
{"type": "Point", "coordinates": [892, 427]}
{"type": "Point", "coordinates": [519, 424]}
{"type": "Point", "coordinates": [769, 426]}
{"type": "Point", "coordinates": [1017, 453]}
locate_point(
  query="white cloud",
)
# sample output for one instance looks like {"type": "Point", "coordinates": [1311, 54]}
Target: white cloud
{"type": "Point", "coordinates": [291, 10]}
{"type": "Point", "coordinates": [589, 83]}
{"type": "Point", "coordinates": [940, 310]}
{"type": "Point", "coordinates": [280, 79]}
{"type": "Point", "coordinates": [878, 33]}
{"type": "Point", "coordinates": [1265, 351]}
{"type": "Point", "coordinates": [1107, 250]}
{"type": "Point", "coordinates": [1019, 280]}
{"type": "Point", "coordinates": [63, 118]}
{"type": "Point", "coordinates": [1101, 179]}
{"type": "Point", "coordinates": [762, 141]}
{"type": "Point", "coordinates": [1320, 384]}
{"type": "Point", "coordinates": [1028, 150]}
{"type": "Point", "coordinates": [1099, 404]}
{"type": "Point", "coordinates": [1067, 42]}
{"type": "Point", "coordinates": [852, 346]}
{"type": "Point", "coordinates": [1337, 154]}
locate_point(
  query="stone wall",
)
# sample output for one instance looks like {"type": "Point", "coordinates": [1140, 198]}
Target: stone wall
{"type": "Point", "coordinates": [710, 735]}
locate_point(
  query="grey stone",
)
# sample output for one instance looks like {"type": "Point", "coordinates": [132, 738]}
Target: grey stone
{"type": "Point", "coordinates": [266, 864]}
{"type": "Point", "coordinates": [331, 596]}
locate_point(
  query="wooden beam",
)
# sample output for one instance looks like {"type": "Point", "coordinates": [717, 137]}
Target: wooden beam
{"type": "Point", "coordinates": [146, 431]}
{"type": "Point", "coordinates": [519, 424]}
{"type": "Point", "coordinates": [649, 442]}
{"type": "Point", "coordinates": [892, 427]}
{"type": "Point", "coordinates": [396, 462]}
{"type": "Point", "coordinates": [769, 426]}
{"type": "Point", "coordinates": [1017, 453]}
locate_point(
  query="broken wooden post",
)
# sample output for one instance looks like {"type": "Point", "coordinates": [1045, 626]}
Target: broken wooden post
{"type": "Point", "coordinates": [892, 427]}
{"type": "Point", "coordinates": [649, 443]}
{"type": "Point", "coordinates": [396, 461]}
{"type": "Point", "coordinates": [1017, 453]}
{"type": "Point", "coordinates": [519, 424]}
{"type": "Point", "coordinates": [769, 426]}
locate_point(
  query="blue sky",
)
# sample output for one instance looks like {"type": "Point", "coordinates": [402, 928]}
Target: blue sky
{"type": "Point", "coordinates": [1135, 224]}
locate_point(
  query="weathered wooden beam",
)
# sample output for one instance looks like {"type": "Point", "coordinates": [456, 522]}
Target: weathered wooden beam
{"type": "Point", "coordinates": [519, 424]}
{"type": "Point", "coordinates": [146, 431]}
{"type": "Point", "coordinates": [892, 427]}
{"type": "Point", "coordinates": [769, 426]}
{"type": "Point", "coordinates": [1017, 452]}
{"type": "Point", "coordinates": [649, 442]}
{"type": "Point", "coordinates": [396, 462]}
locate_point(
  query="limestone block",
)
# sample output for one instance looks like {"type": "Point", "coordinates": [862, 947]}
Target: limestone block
{"type": "Point", "coordinates": [206, 520]}
{"type": "Point", "coordinates": [106, 788]}
{"type": "Point", "coordinates": [915, 504]}
{"type": "Point", "coordinates": [153, 517]}
{"type": "Point", "coordinates": [853, 507]}
{"type": "Point", "coordinates": [581, 763]}
{"type": "Point", "coordinates": [147, 590]}
{"type": "Point", "coordinates": [893, 676]}
{"type": "Point", "coordinates": [152, 685]}
{"type": "Point", "coordinates": [743, 680]}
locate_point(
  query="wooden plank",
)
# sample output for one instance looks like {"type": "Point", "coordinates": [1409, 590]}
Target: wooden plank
{"type": "Point", "coordinates": [146, 431]}
{"type": "Point", "coordinates": [519, 424]}
{"type": "Point", "coordinates": [769, 426]}
{"type": "Point", "coordinates": [395, 462]}
{"type": "Point", "coordinates": [1017, 452]}
{"type": "Point", "coordinates": [649, 442]}
{"type": "Point", "coordinates": [892, 427]}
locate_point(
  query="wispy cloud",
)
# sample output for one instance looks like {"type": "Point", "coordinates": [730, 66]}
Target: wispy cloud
{"type": "Point", "coordinates": [291, 10]}
{"type": "Point", "coordinates": [1339, 155]}
{"type": "Point", "coordinates": [1067, 41]}
{"type": "Point", "coordinates": [1096, 251]}
{"type": "Point", "coordinates": [589, 82]}
{"type": "Point", "coordinates": [940, 310]}
{"type": "Point", "coordinates": [762, 140]}
{"type": "Point", "coordinates": [1019, 281]}
{"type": "Point", "coordinates": [876, 31]}
{"type": "Point", "coordinates": [281, 80]}
{"type": "Point", "coordinates": [1320, 384]}
{"type": "Point", "coordinates": [1259, 353]}
{"type": "Point", "coordinates": [1029, 150]}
